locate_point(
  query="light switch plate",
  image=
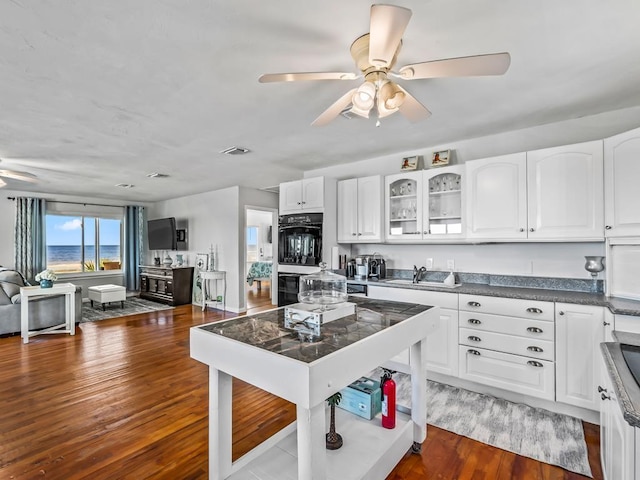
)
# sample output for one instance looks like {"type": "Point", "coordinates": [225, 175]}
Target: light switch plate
{"type": "Point", "coordinates": [429, 264]}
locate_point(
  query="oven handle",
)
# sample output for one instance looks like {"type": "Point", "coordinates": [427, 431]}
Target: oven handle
{"type": "Point", "coordinates": [290, 274]}
{"type": "Point", "coordinates": [286, 227]}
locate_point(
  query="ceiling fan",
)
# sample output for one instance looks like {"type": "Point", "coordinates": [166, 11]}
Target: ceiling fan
{"type": "Point", "coordinates": [375, 54]}
{"type": "Point", "coordinates": [16, 175]}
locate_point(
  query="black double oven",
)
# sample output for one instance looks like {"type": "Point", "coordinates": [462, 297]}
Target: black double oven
{"type": "Point", "coordinates": [299, 252]}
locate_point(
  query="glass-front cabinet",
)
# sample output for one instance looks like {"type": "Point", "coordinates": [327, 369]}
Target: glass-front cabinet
{"type": "Point", "coordinates": [425, 204]}
{"type": "Point", "coordinates": [403, 206]}
{"type": "Point", "coordinates": [442, 198]}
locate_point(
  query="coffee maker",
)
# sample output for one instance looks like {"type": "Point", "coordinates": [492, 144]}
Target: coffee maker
{"type": "Point", "coordinates": [370, 267]}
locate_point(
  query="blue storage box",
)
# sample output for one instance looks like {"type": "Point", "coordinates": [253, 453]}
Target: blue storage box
{"type": "Point", "coordinates": [362, 397]}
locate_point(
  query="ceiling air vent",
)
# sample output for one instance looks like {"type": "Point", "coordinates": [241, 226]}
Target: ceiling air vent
{"type": "Point", "coordinates": [235, 151]}
{"type": "Point", "coordinates": [157, 175]}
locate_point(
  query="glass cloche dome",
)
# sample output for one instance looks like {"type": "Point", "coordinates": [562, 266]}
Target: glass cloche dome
{"type": "Point", "coordinates": [323, 288]}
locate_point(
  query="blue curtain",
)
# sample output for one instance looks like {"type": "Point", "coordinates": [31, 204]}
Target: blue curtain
{"type": "Point", "coordinates": [133, 245]}
{"type": "Point", "coordinates": [30, 242]}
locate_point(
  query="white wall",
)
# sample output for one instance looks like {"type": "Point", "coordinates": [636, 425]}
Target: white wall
{"type": "Point", "coordinates": [217, 218]}
{"type": "Point", "coordinates": [540, 259]}
{"type": "Point", "coordinates": [263, 220]}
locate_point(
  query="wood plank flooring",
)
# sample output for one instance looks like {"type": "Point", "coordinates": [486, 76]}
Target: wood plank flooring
{"type": "Point", "coordinates": [122, 399]}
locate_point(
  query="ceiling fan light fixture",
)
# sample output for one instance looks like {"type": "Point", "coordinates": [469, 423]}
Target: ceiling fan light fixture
{"type": "Point", "coordinates": [364, 97]}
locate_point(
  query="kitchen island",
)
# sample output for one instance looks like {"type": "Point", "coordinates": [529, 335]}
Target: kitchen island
{"type": "Point", "coordinates": [259, 350]}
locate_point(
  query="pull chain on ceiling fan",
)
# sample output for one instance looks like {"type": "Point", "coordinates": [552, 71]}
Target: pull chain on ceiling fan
{"type": "Point", "coordinates": [375, 54]}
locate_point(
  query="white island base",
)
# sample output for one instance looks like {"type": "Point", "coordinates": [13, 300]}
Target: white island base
{"type": "Point", "coordinates": [369, 451]}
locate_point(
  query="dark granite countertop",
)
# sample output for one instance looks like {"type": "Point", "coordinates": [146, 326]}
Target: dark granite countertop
{"type": "Point", "coordinates": [627, 389]}
{"type": "Point", "coordinates": [616, 305]}
{"type": "Point", "coordinates": [267, 331]}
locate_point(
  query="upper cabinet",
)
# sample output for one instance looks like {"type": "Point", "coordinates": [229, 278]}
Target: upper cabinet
{"type": "Point", "coordinates": [403, 206]}
{"type": "Point", "coordinates": [565, 192]}
{"type": "Point", "coordinates": [360, 210]}
{"type": "Point", "coordinates": [554, 194]}
{"type": "Point", "coordinates": [425, 205]}
{"type": "Point", "coordinates": [496, 203]}
{"type": "Point", "coordinates": [621, 180]}
{"type": "Point", "coordinates": [442, 202]}
{"type": "Point", "coordinates": [302, 195]}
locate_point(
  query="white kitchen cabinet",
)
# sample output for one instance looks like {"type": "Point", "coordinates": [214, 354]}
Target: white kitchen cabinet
{"type": "Point", "coordinates": [618, 439]}
{"type": "Point", "coordinates": [579, 331]}
{"type": "Point", "coordinates": [496, 199]}
{"type": "Point", "coordinates": [302, 195]}
{"type": "Point", "coordinates": [621, 180]}
{"type": "Point", "coordinates": [360, 210]}
{"type": "Point", "coordinates": [443, 200]}
{"type": "Point", "coordinates": [403, 206]}
{"type": "Point", "coordinates": [565, 192]}
{"type": "Point", "coordinates": [442, 345]}
{"type": "Point", "coordinates": [507, 343]}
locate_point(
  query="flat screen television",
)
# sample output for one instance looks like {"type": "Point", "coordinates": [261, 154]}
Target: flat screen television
{"type": "Point", "coordinates": [161, 234]}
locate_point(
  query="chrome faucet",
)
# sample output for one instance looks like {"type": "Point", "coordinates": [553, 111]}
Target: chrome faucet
{"type": "Point", "coordinates": [417, 274]}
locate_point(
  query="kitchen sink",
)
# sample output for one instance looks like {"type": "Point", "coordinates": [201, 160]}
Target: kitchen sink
{"type": "Point", "coordinates": [403, 281]}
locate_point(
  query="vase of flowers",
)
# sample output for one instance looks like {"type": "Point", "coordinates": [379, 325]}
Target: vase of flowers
{"type": "Point", "coordinates": [46, 278]}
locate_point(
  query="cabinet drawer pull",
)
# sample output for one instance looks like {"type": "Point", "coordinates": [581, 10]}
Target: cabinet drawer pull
{"type": "Point", "coordinates": [601, 389]}
{"type": "Point", "coordinates": [473, 338]}
{"type": "Point", "coordinates": [605, 397]}
{"type": "Point", "coordinates": [535, 349]}
{"type": "Point", "coordinates": [353, 234]}
{"type": "Point", "coordinates": [474, 321]}
{"type": "Point", "coordinates": [359, 234]}
{"type": "Point", "coordinates": [534, 330]}
{"type": "Point", "coordinates": [534, 310]}
{"type": "Point", "coordinates": [533, 363]}
{"type": "Point", "coordinates": [607, 227]}
{"type": "Point", "coordinates": [299, 203]}
{"type": "Point", "coordinates": [473, 352]}
{"type": "Point", "coordinates": [474, 304]}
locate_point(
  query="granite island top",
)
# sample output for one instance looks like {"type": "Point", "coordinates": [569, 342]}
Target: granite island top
{"type": "Point", "coordinates": [626, 387]}
{"type": "Point", "coordinates": [618, 306]}
{"type": "Point", "coordinates": [266, 330]}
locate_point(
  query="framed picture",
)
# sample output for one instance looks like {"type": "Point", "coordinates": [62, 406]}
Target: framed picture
{"type": "Point", "coordinates": [410, 163]}
{"type": "Point", "coordinates": [440, 158]}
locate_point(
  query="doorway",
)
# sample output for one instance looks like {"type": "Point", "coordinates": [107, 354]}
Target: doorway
{"type": "Point", "coordinates": [259, 250]}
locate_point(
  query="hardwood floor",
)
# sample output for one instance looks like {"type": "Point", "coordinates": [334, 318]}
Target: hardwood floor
{"type": "Point", "coordinates": [122, 399]}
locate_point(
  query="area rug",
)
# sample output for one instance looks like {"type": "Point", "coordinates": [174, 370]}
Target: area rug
{"type": "Point", "coordinates": [132, 305]}
{"type": "Point", "coordinates": [531, 432]}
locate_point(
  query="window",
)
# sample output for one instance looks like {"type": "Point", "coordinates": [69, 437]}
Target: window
{"type": "Point", "coordinates": [252, 244]}
{"type": "Point", "coordinates": [79, 243]}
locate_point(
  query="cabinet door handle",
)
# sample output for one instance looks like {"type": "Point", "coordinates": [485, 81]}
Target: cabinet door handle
{"type": "Point", "coordinates": [607, 227]}
{"type": "Point", "coordinates": [474, 304]}
{"type": "Point", "coordinates": [601, 389]}
{"type": "Point", "coordinates": [561, 313]}
{"type": "Point", "coordinates": [533, 363]}
{"type": "Point", "coordinates": [353, 234]}
{"type": "Point", "coordinates": [304, 203]}
{"type": "Point", "coordinates": [425, 232]}
{"type": "Point", "coordinates": [534, 330]}
{"type": "Point", "coordinates": [359, 234]}
{"type": "Point", "coordinates": [473, 352]}
{"type": "Point", "coordinates": [605, 397]}
{"type": "Point", "coordinates": [299, 203]}
{"type": "Point", "coordinates": [522, 229]}
{"type": "Point", "coordinates": [473, 338]}
{"type": "Point", "coordinates": [474, 321]}
{"type": "Point", "coordinates": [532, 230]}
{"type": "Point", "coordinates": [606, 324]}
{"type": "Point", "coordinates": [535, 349]}
{"type": "Point", "coordinates": [534, 310]}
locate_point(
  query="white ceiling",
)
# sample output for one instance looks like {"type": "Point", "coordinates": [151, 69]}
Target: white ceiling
{"type": "Point", "coordinates": [104, 92]}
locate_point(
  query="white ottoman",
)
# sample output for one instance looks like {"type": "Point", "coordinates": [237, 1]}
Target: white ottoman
{"type": "Point", "coordinates": [107, 293]}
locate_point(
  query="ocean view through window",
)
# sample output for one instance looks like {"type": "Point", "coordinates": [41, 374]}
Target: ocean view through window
{"type": "Point", "coordinates": [81, 244]}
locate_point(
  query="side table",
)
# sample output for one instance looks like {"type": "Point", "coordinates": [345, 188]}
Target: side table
{"type": "Point", "coordinates": [66, 289]}
{"type": "Point", "coordinates": [206, 277]}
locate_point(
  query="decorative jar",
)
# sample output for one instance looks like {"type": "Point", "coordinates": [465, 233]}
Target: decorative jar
{"type": "Point", "coordinates": [46, 283]}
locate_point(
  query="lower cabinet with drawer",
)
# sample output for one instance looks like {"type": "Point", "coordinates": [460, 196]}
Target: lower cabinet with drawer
{"type": "Point", "coordinates": [508, 343]}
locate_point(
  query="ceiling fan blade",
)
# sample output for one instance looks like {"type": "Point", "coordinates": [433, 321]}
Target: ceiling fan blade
{"type": "Point", "coordinates": [388, 23]}
{"type": "Point", "coordinates": [295, 77]}
{"type": "Point", "coordinates": [16, 175]}
{"type": "Point", "coordinates": [2, 184]}
{"type": "Point", "coordinates": [491, 64]}
{"type": "Point", "coordinates": [412, 109]}
{"type": "Point", "coordinates": [334, 110]}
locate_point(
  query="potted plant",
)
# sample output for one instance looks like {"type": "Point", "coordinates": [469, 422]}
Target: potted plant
{"type": "Point", "coordinates": [333, 439]}
{"type": "Point", "coordinates": [46, 278]}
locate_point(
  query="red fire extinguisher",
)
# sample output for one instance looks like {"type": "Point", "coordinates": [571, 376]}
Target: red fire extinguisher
{"type": "Point", "coordinates": [388, 391]}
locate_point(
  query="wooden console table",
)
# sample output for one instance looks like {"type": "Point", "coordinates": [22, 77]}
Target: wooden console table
{"type": "Point", "coordinates": [66, 289]}
{"type": "Point", "coordinates": [259, 350]}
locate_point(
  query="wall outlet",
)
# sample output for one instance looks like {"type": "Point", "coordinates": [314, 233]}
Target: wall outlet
{"type": "Point", "coordinates": [451, 265]}
{"type": "Point", "coordinates": [429, 264]}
